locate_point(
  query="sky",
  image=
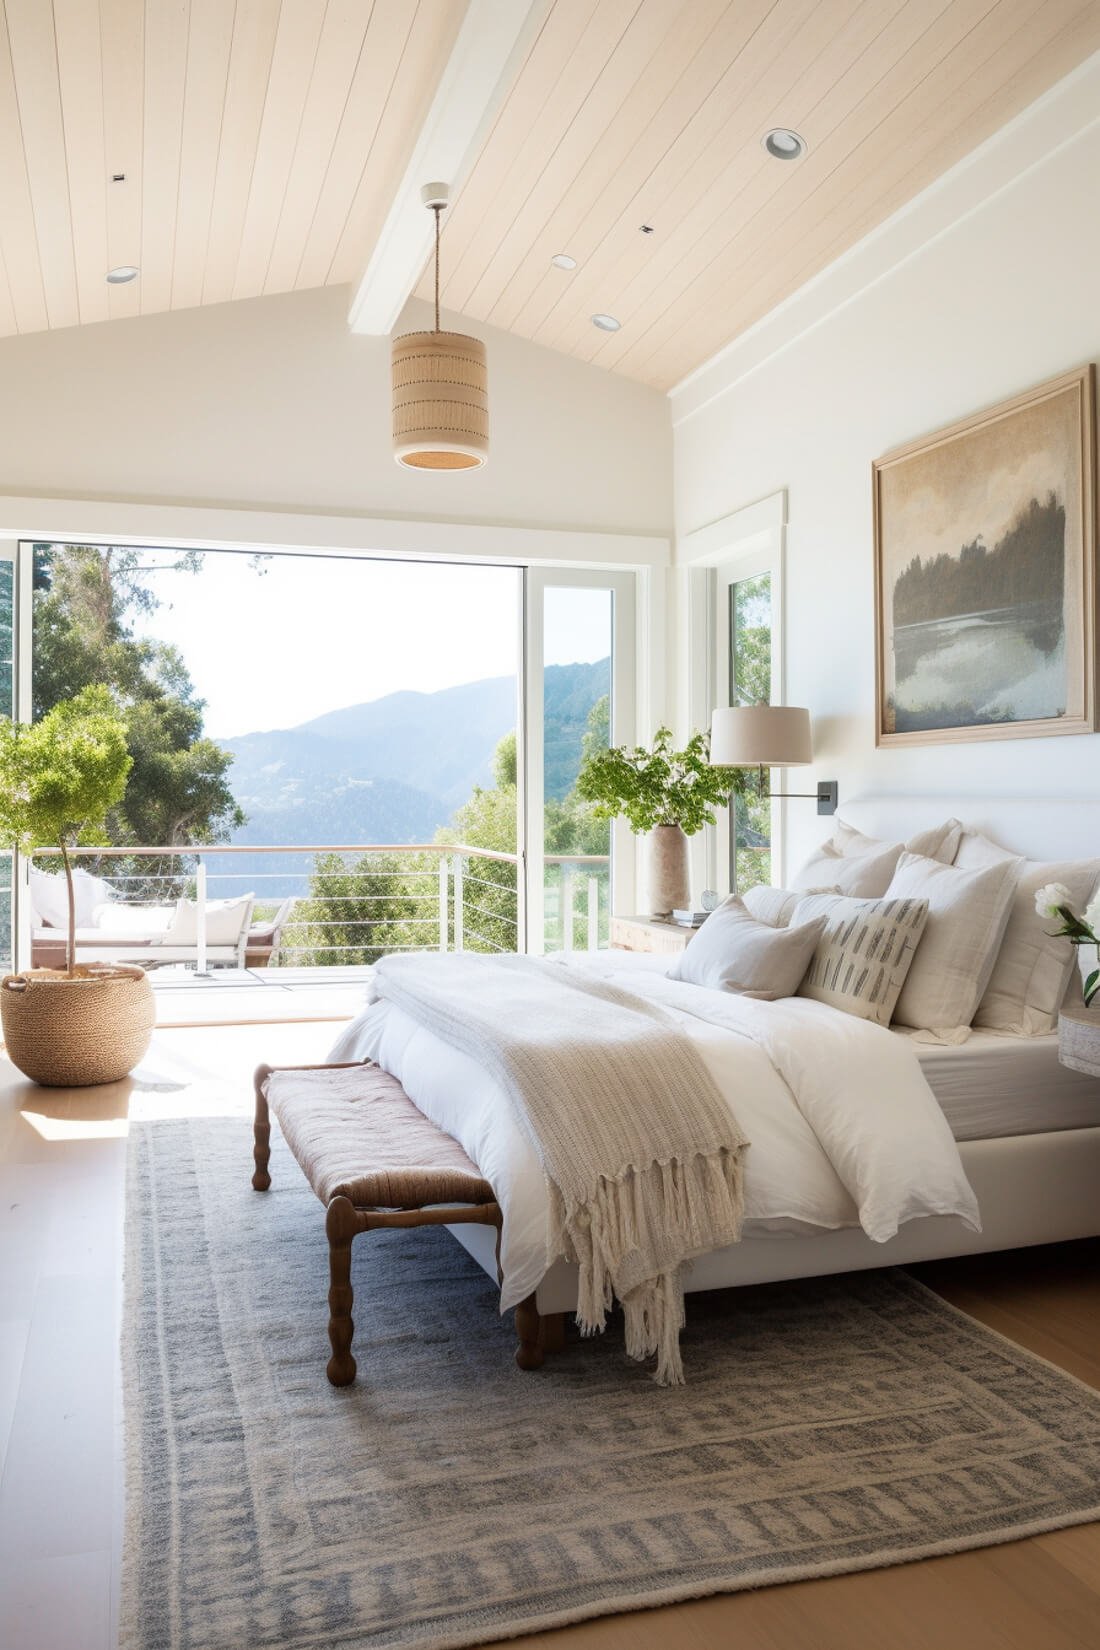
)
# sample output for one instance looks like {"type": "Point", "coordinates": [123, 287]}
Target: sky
{"type": "Point", "coordinates": [275, 645]}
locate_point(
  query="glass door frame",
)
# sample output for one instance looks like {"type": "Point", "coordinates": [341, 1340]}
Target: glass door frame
{"type": "Point", "coordinates": [624, 653]}
{"type": "Point", "coordinates": [20, 552]}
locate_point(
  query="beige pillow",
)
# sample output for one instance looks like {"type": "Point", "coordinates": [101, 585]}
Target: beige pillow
{"type": "Point", "coordinates": [1034, 965]}
{"type": "Point", "coordinates": [862, 958]}
{"type": "Point", "coordinates": [734, 952]}
{"type": "Point", "coordinates": [967, 914]}
{"type": "Point", "coordinates": [775, 905]}
{"type": "Point", "coordinates": [938, 842]}
{"type": "Point", "coordinates": [865, 876]}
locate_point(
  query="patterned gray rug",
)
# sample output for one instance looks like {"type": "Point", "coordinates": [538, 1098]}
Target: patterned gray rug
{"type": "Point", "coordinates": [448, 1499]}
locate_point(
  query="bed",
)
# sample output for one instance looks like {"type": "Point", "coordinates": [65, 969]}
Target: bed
{"type": "Point", "coordinates": [1028, 1131]}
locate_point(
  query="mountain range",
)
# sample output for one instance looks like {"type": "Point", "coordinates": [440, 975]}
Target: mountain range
{"type": "Point", "coordinates": [393, 769]}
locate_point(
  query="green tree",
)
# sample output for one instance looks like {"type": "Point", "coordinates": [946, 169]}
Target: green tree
{"type": "Point", "coordinates": [86, 598]}
{"type": "Point", "coordinates": [488, 820]}
{"type": "Point", "coordinates": [60, 777]}
{"type": "Point", "coordinates": [360, 909]}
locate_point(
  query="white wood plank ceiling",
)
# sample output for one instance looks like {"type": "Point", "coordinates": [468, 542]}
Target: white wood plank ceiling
{"type": "Point", "coordinates": [259, 145]}
{"type": "Point", "coordinates": [631, 112]}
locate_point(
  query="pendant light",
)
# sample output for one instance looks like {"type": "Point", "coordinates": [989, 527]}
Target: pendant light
{"type": "Point", "coordinates": [440, 387]}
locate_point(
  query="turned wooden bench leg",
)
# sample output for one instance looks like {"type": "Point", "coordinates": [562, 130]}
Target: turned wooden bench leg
{"type": "Point", "coordinates": [261, 1133]}
{"type": "Point", "coordinates": [341, 1224]}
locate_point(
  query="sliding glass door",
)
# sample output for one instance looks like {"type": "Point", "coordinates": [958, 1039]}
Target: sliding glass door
{"type": "Point", "coordinates": [418, 792]}
{"type": "Point", "coordinates": [580, 678]}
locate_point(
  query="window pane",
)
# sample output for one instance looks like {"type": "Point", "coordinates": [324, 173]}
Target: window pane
{"type": "Point", "coordinates": [577, 646]}
{"type": "Point", "coordinates": [290, 706]}
{"type": "Point", "coordinates": [750, 684]}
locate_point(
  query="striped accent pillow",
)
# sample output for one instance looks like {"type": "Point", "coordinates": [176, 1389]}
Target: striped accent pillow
{"type": "Point", "coordinates": [861, 960]}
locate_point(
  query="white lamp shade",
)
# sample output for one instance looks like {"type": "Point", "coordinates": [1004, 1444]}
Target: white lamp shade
{"type": "Point", "coordinates": [761, 736]}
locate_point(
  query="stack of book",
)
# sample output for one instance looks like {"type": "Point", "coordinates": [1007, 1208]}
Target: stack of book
{"type": "Point", "coordinates": [690, 919]}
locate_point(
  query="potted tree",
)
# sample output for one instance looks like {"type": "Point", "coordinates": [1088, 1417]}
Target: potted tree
{"type": "Point", "coordinates": [59, 778]}
{"type": "Point", "coordinates": [671, 794]}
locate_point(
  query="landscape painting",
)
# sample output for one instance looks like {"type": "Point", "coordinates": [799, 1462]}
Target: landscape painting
{"type": "Point", "coordinates": [984, 549]}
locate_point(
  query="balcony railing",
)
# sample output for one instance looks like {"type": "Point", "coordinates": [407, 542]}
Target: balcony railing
{"type": "Point", "coordinates": [318, 906]}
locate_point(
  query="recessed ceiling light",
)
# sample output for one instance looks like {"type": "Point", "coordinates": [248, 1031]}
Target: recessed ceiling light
{"type": "Point", "coordinates": [562, 260]}
{"type": "Point", "coordinates": [606, 323]}
{"type": "Point", "coordinates": [645, 228]}
{"type": "Point", "coordinates": [124, 273]}
{"type": "Point", "coordinates": [783, 143]}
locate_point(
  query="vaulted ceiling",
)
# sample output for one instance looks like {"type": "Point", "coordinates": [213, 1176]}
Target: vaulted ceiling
{"type": "Point", "coordinates": [229, 148]}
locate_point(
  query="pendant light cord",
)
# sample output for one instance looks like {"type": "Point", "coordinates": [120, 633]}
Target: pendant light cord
{"type": "Point", "coordinates": [437, 209]}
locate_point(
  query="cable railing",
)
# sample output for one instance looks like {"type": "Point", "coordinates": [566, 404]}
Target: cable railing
{"type": "Point", "coordinates": [319, 906]}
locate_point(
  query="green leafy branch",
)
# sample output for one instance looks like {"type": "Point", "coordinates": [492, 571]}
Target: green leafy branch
{"type": "Point", "coordinates": [659, 786]}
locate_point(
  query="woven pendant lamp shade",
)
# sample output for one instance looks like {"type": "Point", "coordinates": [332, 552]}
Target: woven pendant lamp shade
{"type": "Point", "coordinates": [440, 401]}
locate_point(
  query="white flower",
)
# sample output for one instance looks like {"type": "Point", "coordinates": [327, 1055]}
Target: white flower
{"type": "Point", "coordinates": [1092, 915]}
{"type": "Point", "coordinates": [1048, 899]}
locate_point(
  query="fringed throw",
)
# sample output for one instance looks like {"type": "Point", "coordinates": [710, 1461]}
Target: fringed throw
{"type": "Point", "coordinates": [642, 1154]}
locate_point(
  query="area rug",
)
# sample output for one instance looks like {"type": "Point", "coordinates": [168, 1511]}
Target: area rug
{"type": "Point", "coordinates": [449, 1499]}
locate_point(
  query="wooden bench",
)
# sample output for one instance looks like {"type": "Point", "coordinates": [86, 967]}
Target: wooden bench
{"type": "Point", "coordinates": [375, 1161]}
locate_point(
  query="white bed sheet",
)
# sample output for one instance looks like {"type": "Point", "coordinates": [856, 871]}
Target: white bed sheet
{"type": "Point", "coordinates": [994, 1086]}
{"type": "Point", "coordinates": [790, 1183]}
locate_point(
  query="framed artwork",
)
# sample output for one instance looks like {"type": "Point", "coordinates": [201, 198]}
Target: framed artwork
{"type": "Point", "coordinates": [985, 576]}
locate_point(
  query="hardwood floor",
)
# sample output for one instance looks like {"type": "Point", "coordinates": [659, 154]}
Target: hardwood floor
{"type": "Point", "coordinates": [61, 1184]}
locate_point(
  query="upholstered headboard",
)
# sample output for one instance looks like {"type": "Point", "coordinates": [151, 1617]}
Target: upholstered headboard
{"type": "Point", "coordinates": [1038, 827]}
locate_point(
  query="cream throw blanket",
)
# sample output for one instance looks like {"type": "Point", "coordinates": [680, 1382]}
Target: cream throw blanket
{"type": "Point", "coordinates": [641, 1153]}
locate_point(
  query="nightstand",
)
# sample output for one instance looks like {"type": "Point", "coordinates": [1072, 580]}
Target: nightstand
{"type": "Point", "coordinates": [649, 934]}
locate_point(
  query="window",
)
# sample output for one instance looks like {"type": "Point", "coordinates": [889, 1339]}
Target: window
{"type": "Point", "coordinates": [750, 683]}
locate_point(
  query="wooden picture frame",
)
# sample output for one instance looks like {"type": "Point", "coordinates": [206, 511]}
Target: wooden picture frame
{"type": "Point", "coordinates": [998, 637]}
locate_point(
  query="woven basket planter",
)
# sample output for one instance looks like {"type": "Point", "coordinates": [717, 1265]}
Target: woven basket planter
{"type": "Point", "coordinates": [70, 1032]}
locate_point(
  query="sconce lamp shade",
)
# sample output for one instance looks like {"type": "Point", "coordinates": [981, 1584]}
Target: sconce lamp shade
{"type": "Point", "coordinates": [440, 401]}
{"type": "Point", "coordinates": [761, 736]}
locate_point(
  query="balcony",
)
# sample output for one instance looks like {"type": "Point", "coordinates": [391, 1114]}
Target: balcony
{"type": "Point", "coordinates": [314, 916]}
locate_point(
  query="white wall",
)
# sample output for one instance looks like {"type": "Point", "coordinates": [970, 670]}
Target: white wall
{"type": "Point", "coordinates": [273, 403]}
{"type": "Point", "coordinates": [988, 284]}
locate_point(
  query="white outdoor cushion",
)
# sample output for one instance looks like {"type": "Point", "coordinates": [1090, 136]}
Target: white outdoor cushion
{"type": "Point", "coordinates": [967, 914]}
{"type": "Point", "coordinates": [734, 952]}
{"type": "Point", "coordinates": [122, 918]}
{"type": "Point", "coordinates": [775, 906]}
{"type": "Point", "coordinates": [861, 961]}
{"type": "Point", "coordinates": [866, 876]}
{"type": "Point", "coordinates": [225, 919]}
{"type": "Point", "coordinates": [50, 899]}
{"type": "Point", "coordinates": [1034, 965]}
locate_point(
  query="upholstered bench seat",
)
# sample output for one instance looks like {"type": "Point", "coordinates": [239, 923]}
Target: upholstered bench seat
{"type": "Point", "coordinates": [374, 1160]}
{"type": "Point", "coordinates": [356, 1134]}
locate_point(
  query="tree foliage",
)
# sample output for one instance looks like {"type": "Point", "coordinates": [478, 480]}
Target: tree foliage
{"type": "Point", "coordinates": [60, 778]}
{"type": "Point", "coordinates": [86, 598]}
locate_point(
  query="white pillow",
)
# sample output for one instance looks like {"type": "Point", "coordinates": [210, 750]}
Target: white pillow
{"type": "Point", "coordinates": [734, 952]}
{"type": "Point", "coordinates": [967, 914]}
{"type": "Point", "coordinates": [776, 905]}
{"type": "Point", "coordinates": [863, 875]}
{"type": "Point", "coordinates": [224, 919]}
{"type": "Point", "coordinates": [118, 917]}
{"type": "Point", "coordinates": [938, 842]}
{"type": "Point", "coordinates": [1034, 965]}
{"type": "Point", "coordinates": [50, 898]}
{"type": "Point", "coordinates": [861, 960]}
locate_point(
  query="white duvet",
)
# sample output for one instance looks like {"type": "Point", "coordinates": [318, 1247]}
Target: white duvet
{"type": "Point", "coordinates": [844, 1129]}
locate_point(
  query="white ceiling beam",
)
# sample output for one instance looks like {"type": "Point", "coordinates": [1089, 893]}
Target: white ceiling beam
{"type": "Point", "coordinates": [491, 45]}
